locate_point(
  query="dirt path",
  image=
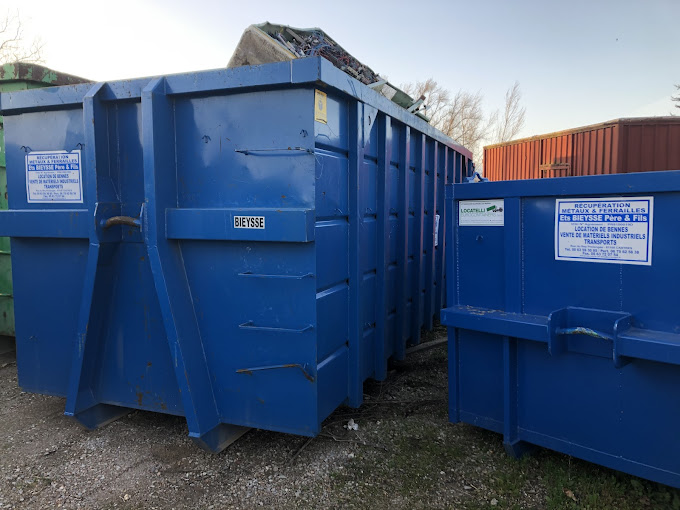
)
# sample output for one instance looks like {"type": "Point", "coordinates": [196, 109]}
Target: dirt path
{"type": "Point", "coordinates": [405, 454]}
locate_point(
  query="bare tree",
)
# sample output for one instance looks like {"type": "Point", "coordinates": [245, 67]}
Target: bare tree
{"type": "Point", "coordinates": [436, 98]}
{"type": "Point", "coordinates": [676, 98]}
{"type": "Point", "coordinates": [461, 115]}
{"type": "Point", "coordinates": [13, 45]}
{"type": "Point", "coordinates": [458, 115]}
{"type": "Point", "coordinates": [463, 119]}
{"type": "Point", "coordinates": [508, 125]}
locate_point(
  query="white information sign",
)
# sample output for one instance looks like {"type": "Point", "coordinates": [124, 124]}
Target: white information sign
{"type": "Point", "coordinates": [54, 177]}
{"type": "Point", "coordinates": [483, 213]}
{"type": "Point", "coordinates": [610, 230]}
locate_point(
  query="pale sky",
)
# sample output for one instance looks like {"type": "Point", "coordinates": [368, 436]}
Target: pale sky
{"type": "Point", "coordinates": [578, 62]}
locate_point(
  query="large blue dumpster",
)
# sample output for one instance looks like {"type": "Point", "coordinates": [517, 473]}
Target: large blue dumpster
{"type": "Point", "coordinates": [242, 247]}
{"type": "Point", "coordinates": [563, 317]}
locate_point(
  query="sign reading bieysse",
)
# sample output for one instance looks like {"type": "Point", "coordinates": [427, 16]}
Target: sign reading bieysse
{"type": "Point", "coordinates": [610, 230]}
{"type": "Point", "coordinates": [54, 177]}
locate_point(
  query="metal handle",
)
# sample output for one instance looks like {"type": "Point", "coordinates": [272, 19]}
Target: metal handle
{"type": "Point", "coordinates": [251, 326]}
{"type": "Point", "coordinates": [580, 330]}
{"type": "Point", "coordinates": [122, 220]}
{"type": "Point", "coordinates": [253, 152]}
{"type": "Point", "coordinates": [277, 276]}
{"type": "Point", "coordinates": [302, 368]}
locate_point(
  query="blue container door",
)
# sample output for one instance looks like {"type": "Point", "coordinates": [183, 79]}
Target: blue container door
{"type": "Point", "coordinates": [205, 304]}
{"type": "Point", "coordinates": [250, 156]}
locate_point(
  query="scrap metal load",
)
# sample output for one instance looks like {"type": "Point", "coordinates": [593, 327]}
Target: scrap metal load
{"type": "Point", "coordinates": [267, 43]}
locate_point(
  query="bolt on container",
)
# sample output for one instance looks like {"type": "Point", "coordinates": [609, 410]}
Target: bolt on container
{"type": "Point", "coordinates": [563, 318]}
{"type": "Point", "coordinates": [241, 247]}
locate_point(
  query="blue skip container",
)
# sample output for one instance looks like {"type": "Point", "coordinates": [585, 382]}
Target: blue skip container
{"type": "Point", "coordinates": [564, 316]}
{"type": "Point", "coordinates": [241, 247]}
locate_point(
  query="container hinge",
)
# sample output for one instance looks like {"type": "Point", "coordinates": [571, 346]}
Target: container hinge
{"type": "Point", "coordinates": [475, 177]}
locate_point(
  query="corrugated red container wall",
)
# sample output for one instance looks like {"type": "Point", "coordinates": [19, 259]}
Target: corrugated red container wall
{"type": "Point", "coordinates": [618, 146]}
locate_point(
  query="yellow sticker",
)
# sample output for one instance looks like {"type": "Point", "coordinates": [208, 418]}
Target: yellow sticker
{"type": "Point", "coordinates": [320, 112]}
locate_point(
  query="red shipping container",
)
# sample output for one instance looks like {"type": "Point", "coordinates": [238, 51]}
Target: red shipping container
{"type": "Point", "coordinates": [643, 144]}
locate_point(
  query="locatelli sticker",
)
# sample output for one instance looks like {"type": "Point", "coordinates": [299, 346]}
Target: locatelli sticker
{"type": "Point", "coordinates": [483, 213]}
{"type": "Point", "coordinates": [609, 230]}
{"type": "Point", "coordinates": [54, 177]}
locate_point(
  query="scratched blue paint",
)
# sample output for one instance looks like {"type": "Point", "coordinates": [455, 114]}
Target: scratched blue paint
{"type": "Point", "coordinates": [271, 328]}
{"type": "Point", "coordinates": [577, 357]}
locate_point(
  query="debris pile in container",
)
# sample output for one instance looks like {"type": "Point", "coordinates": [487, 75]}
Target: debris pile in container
{"type": "Point", "coordinates": [317, 43]}
{"type": "Point", "coordinates": [267, 42]}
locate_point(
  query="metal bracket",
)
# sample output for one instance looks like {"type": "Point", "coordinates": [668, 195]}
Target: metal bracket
{"type": "Point", "coordinates": [277, 276]}
{"type": "Point", "coordinates": [81, 400]}
{"type": "Point", "coordinates": [251, 326]}
{"type": "Point", "coordinates": [170, 278]}
{"type": "Point", "coordinates": [302, 368]}
{"type": "Point", "coordinates": [600, 324]}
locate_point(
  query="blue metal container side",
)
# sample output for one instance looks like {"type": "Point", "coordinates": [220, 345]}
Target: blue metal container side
{"type": "Point", "coordinates": [574, 356]}
{"type": "Point", "coordinates": [177, 310]}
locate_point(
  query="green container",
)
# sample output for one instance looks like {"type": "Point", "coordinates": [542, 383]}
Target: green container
{"type": "Point", "coordinates": [18, 76]}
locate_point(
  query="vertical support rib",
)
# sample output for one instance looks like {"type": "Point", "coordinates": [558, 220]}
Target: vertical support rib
{"type": "Point", "coordinates": [458, 169]}
{"type": "Point", "coordinates": [81, 399]}
{"type": "Point", "coordinates": [384, 154]}
{"type": "Point", "coordinates": [513, 304]}
{"type": "Point", "coordinates": [170, 278]}
{"type": "Point", "coordinates": [428, 238]}
{"type": "Point", "coordinates": [440, 249]}
{"type": "Point", "coordinates": [513, 260]}
{"type": "Point", "coordinates": [452, 248]}
{"type": "Point", "coordinates": [402, 257]}
{"type": "Point", "coordinates": [510, 442]}
{"type": "Point", "coordinates": [454, 376]}
{"type": "Point", "coordinates": [356, 160]}
{"type": "Point", "coordinates": [452, 299]}
{"type": "Point", "coordinates": [418, 258]}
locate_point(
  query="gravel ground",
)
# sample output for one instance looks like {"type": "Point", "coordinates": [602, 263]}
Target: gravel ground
{"type": "Point", "coordinates": [404, 454]}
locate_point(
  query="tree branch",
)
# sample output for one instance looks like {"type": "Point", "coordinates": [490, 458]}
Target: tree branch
{"type": "Point", "coordinates": [13, 47]}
